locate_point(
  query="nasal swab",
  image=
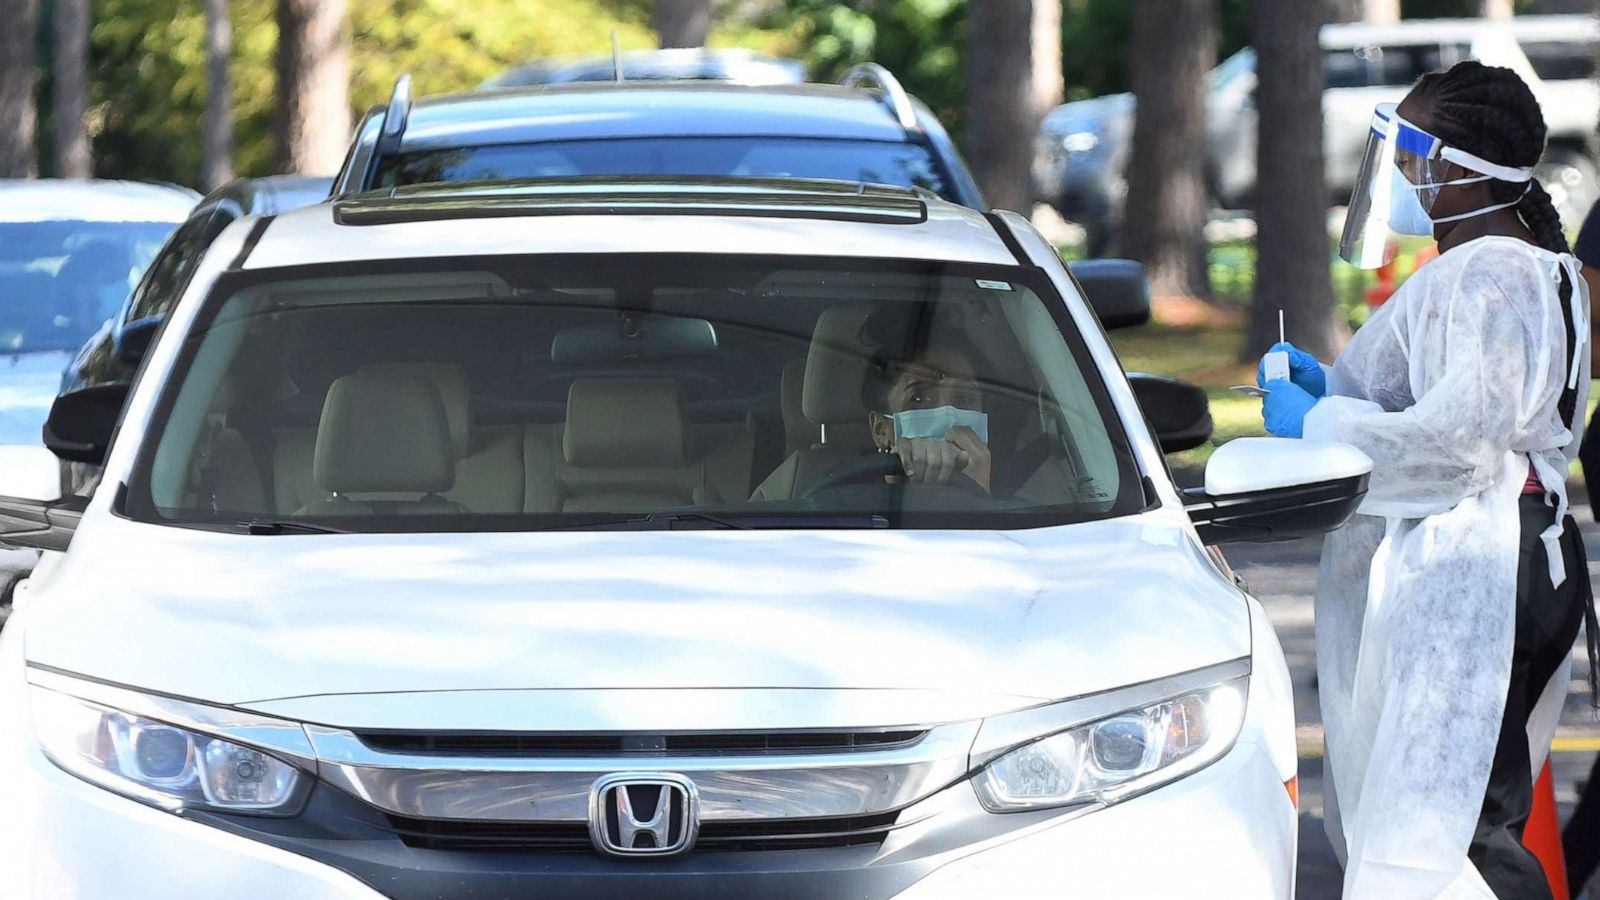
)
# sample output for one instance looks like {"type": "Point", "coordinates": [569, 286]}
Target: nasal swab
{"type": "Point", "coordinates": [1275, 365]}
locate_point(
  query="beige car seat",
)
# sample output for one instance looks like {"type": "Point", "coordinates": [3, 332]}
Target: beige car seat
{"type": "Point", "coordinates": [383, 447]}
{"type": "Point", "coordinates": [830, 400]}
{"type": "Point", "coordinates": [625, 448]}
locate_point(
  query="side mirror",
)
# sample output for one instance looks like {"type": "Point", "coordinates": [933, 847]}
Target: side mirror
{"type": "Point", "coordinates": [32, 514]}
{"type": "Point", "coordinates": [1275, 489]}
{"type": "Point", "coordinates": [132, 341]}
{"type": "Point", "coordinates": [1178, 412]}
{"type": "Point", "coordinates": [82, 422]}
{"type": "Point", "coordinates": [1117, 290]}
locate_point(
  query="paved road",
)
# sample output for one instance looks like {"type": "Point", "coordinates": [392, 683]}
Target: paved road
{"type": "Point", "coordinates": [1284, 577]}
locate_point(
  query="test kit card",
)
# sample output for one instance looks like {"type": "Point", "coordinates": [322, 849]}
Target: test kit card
{"type": "Point", "coordinates": [1276, 366]}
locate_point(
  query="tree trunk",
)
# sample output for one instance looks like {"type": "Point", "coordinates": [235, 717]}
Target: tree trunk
{"type": "Point", "coordinates": [1377, 12]}
{"type": "Point", "coordinates": [1292, 241]}
{"type": "Point", "coordinates": [312, 119]}
{"type": "Point", "coordinates": [683, 23]}
{"type": "Point", "coordinates": [18, 115]}
{"type": "Point", "coordinates": [71, 89]}
{"type": "Point", "coordinates": [218, 160]}
{"type": "Point", "coordinates": [1013, 79]}
{"type": "Point", "coordinates": [1174, 46]}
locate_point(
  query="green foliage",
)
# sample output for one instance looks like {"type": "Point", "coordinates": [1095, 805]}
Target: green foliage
{"type": "Point", "coordinates": [148, 62]}
{"type": "Point", "coordinates": [148, 58]}
{"type": "Point", "coordinates": [922, 41]}
{"type": "Point", "coordinates": [1094, 42]}
{"type": "Point", "coordinates": [1096, 34]}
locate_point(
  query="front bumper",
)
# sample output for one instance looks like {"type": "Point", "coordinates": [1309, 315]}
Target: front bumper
{"type": "Point", "coordinates": [1226, 831]}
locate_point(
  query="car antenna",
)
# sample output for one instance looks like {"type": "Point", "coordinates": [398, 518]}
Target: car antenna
{"type": "Point", "coordinates": [616, 55]}
{"type": "Point", "coordinates": [396, 115]}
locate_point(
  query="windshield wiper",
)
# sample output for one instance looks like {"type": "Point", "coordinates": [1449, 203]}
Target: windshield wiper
{"type": "Point", "coordinates": [679, 521]}
{"type": "Point", "coordinates": [280, 526]}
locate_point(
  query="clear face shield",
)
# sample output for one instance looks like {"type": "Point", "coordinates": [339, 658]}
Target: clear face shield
{"type": "Point", "coordinates": [1402, 173]}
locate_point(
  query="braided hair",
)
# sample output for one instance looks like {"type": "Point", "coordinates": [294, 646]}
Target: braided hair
{"type": "Point", "coordinates": [1489, 112]}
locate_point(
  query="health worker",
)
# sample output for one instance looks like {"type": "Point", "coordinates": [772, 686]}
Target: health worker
{"type": "Point", "coordinates": [1447, 609]}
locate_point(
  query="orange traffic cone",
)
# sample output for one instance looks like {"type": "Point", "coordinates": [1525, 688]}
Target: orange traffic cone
{"type": "Point", "coordinates": [1542, 834]}
{"type": "Point", "coordinates": [1379, 293]}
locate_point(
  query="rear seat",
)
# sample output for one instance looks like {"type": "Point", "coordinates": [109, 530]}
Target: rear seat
{"type": "Point", "coordinates": [623, 454]}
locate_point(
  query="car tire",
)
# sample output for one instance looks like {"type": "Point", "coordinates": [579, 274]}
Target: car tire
{"type": "Point", "coordinates": [1569, 177]}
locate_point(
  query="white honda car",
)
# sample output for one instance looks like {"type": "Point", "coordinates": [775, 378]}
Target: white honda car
{"type": "Point", "coordinates": [529, 540]}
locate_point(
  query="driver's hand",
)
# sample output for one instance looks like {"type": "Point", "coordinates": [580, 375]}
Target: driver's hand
{"type": "Point", "coordinates": [934, 461]}
{"type": "Point", "coordinates": [977, 467]}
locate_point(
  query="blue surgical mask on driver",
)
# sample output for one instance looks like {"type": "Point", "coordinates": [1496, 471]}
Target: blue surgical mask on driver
{"type": "Point", "coordinates": [937, 422]}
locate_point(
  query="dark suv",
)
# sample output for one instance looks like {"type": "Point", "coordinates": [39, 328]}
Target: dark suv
{"type": "Point", "coordinates": [113, 353]}
{"type": "Point", "coordinates": [864, 129]}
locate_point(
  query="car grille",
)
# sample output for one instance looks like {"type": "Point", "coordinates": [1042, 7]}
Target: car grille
{"type": "Point", "coordinates": [552, 745]}
{"type": "Point", "coordinates": [573, 837]}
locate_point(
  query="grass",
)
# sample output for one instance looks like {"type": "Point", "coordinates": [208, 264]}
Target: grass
{"type": "Point", "coordinates": [1204, 357]}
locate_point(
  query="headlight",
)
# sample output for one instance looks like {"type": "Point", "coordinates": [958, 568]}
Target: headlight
{"type": "Point", "coordinates": [161, 764]}
{"type": "Point", "coordinates": [1116, 757]}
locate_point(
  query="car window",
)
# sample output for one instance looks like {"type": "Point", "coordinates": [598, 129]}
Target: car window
{"type": "Point", "coordinates": [878, 162]}
{"type": "Point", "coordinates": [169, 274]}
{"type": "Point", "coordinates": [1376, 65]}
{"type": "Point", "coordinates": [60, 280]}
{"type": "Point", "coordinates": [555, 392]}
{"type": "Point", "coordinates": [1562, 60]}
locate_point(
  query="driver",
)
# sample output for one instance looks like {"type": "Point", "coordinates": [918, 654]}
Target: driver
{"type": "Point", "coordinates": [928, 408]}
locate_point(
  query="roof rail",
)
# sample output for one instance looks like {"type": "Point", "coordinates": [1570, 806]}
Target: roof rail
{"type": "Point", "coordinates": [395, 116]}
{"type": "Point", "coordinates": [632, 195]}
{"type": "Point", "coordinates": [895, 96]}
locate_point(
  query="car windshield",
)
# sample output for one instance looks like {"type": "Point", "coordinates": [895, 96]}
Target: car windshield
{"type": "Point", "coordinates": [645, 391]}
{"type": "Point", "coordinates": [60, 280]}
{"type": "Point", "coordinates": [876, 162]}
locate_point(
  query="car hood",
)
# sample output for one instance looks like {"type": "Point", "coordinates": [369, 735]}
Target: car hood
{"type": "Point", "coordinates": [285, 622]}
{"type": "Point", "coordinates": [28, 385]}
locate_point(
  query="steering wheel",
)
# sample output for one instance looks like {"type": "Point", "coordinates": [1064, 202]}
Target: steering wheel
{"type": "Point", "coordinates": [876, 467]}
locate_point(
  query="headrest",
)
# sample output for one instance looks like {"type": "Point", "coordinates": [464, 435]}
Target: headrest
{"type": "Point", "coordinates": [624, 423]}
{"type": "Point", "coordinates": [836, 368]}
{"type": "Point", "coordinates": [451, 383]}
{"type": "Point", "coordinates": [383, 432]}
{"type": "Point", "coordinates": [798, 432]}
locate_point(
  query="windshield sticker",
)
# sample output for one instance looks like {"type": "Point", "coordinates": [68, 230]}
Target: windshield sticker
{"type": "Point", "coordinates": [993, 285]}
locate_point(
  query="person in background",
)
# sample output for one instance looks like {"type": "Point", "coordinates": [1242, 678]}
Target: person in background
{"type": "Point", "coordinates": [1580, 839]}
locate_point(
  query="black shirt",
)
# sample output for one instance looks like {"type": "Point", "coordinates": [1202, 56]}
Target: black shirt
{"type": "Point", "coordinates": [1587, 247]}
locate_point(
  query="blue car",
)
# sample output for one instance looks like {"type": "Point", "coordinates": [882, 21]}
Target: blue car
{"type": "Point", "coordinates": [111, 355]}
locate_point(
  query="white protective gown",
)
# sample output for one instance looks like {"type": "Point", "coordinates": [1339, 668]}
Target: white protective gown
{"type": "Point", "coordinates": [1451, 388]}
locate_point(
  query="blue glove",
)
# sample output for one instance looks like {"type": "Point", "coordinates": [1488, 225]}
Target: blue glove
{"type": "Point", "coordinates": [1304, 370]}
{"type": "Point", "coordinates": [1284, 408]}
